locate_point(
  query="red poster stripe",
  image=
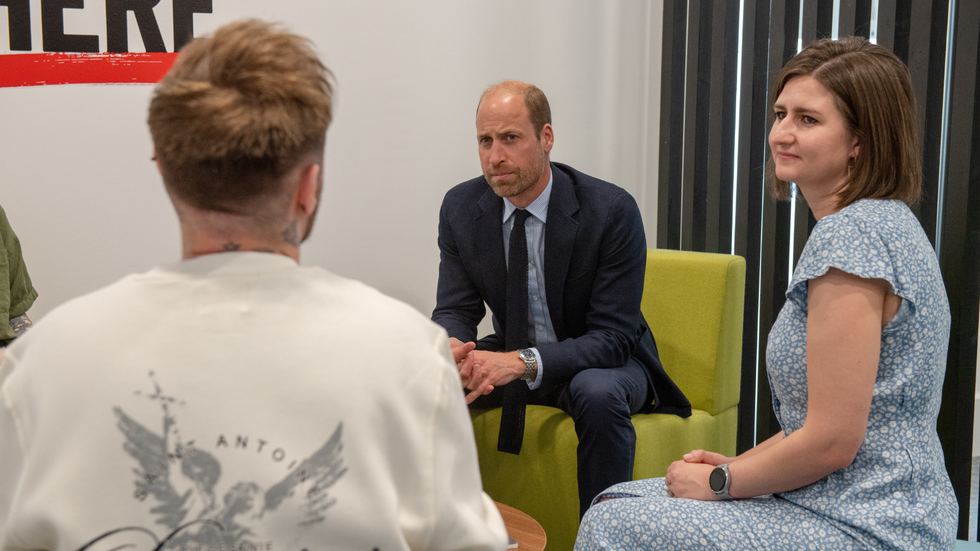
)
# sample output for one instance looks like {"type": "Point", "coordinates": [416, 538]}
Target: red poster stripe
{"type": "Point", "coordinates": [63, 68]}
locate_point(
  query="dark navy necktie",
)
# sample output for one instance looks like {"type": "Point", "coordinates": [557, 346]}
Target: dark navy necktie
{"type": "Point", "coordinates": [516, 392]}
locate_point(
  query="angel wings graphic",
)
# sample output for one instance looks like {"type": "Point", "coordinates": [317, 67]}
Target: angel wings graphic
{"type": "Point", "coordinates": [182, 481]}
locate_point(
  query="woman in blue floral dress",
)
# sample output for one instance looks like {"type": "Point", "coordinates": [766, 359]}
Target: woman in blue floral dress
{"type": "Point", "coordinates": [856, 358]}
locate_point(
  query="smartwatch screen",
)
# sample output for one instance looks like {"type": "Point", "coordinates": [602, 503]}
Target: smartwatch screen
{"type": "Point", "coordinates": [717, 480]}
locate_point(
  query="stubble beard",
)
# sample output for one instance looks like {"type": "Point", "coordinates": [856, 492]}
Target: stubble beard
{"type": "Point", "coordinates": [524, 178]}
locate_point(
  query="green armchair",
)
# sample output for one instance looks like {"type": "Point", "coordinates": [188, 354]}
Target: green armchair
{"type": "Point", "coordinates": [693, 303]}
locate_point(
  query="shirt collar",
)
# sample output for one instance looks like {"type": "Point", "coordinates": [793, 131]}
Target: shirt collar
{"type": "Point", "coordinates": [230, 263]}
{"type": "Point", "coordinates": [539, 207]}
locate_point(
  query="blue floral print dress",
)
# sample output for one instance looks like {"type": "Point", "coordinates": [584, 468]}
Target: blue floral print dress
{"type": "Point", "coordinates": [896, 494]}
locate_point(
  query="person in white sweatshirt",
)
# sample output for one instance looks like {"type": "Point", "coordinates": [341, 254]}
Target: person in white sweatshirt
{"type": "Point", "coordinates": [235, 401]}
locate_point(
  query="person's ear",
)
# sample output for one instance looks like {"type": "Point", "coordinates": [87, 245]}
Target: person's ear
{"type": "Point", "coordinates": [306, 191]}
{"type": "Point", "coordinates": [547, 138]}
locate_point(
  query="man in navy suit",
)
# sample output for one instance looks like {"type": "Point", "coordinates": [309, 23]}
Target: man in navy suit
{"type": "Point", "coordinates": [590, 351]}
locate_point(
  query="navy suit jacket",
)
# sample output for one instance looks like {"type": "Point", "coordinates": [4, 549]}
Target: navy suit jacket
{"type": "Point", "coordinates": [594, 266]}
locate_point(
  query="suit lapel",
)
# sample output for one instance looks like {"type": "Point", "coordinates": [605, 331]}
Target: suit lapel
{"type": "Point", "coordinates": [490, 240]}
{"type": "Point", "coordinates": [559, 242]}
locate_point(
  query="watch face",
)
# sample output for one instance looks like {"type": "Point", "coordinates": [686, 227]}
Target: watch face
{"type": "Point", "coordinates": [717, 480]}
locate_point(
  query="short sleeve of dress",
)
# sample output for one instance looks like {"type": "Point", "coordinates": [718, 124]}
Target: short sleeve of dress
{"type": "Point", "coordinates": [859, 239]}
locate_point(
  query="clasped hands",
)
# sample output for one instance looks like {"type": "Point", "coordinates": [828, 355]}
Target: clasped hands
{"type": "Point", "coordinates": [481, 371]}
{"type": "Point", "coordinates": [689, 477]}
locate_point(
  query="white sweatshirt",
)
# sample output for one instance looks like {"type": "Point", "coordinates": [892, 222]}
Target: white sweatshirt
{"type": "Point", "coordinates": [237, 402]}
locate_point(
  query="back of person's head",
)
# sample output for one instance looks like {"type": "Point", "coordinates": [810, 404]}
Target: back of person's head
{"type": "Point", "coordinates": [538, 109]}
{"type": "Point", "coordinates": [872, 90]}
{"type": "Point", "coordinates": [236, 112]}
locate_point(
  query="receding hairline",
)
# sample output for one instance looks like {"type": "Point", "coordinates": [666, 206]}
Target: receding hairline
{"type": "Point", "coordinates": [509, 87]}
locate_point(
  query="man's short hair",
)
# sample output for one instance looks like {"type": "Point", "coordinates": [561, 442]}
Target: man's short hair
{"type": "Point", "coordinates": [872, 90]}
{"type": "Point", "coordinates": [236, 112]}
{"type": "Point", "coordinates": [538, 109]}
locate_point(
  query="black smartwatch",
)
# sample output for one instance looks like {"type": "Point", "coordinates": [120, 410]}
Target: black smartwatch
{"type": "Point", "coordinates": [720, 481]}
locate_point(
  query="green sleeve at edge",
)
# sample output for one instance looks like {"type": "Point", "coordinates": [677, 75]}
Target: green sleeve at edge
{"type": "Point", "coordinates": [17, 294]}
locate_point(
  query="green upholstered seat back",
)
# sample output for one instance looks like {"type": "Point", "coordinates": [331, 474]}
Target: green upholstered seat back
{"type": "Point", "coordinates": [693, 302]}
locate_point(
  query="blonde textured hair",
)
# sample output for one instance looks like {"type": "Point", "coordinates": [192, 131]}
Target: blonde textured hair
{"type": "Point", "coordinates": [872, 90]}
{"type": "Point", "coordinates": [236, 112]}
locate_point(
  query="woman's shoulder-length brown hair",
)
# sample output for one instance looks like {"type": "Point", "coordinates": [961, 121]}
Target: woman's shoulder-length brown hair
{"type": "Point", "coordinates": [872, 90]}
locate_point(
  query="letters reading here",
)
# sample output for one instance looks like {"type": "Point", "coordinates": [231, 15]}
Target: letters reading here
{"type": "Point", "coordinates": [54, 39]}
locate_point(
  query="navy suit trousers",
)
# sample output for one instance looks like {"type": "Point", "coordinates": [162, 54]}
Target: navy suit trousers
{"type": "Point", "coordinates": [601, 402]}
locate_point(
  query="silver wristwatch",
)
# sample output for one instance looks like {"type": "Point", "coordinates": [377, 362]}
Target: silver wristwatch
{"type": "Point", "coordinates": [720, 481]}
{"type": "Point", "coordinates": [530, 364]}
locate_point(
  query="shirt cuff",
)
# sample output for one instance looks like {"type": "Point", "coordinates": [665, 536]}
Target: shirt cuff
{"type": "Point", "coordinates": [536, 381]}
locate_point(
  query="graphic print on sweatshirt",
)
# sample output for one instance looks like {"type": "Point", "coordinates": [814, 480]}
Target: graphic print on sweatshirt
{"type": "Point", "coordinates": [180, 483]}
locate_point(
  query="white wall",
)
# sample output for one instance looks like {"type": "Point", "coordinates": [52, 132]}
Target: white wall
{"type": "Point", "coordinates": [79, 188]}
